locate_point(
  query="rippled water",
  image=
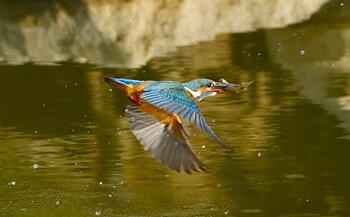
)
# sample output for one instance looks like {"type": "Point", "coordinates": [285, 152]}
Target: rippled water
{"type": "Point", "coordinates": [66, 148]}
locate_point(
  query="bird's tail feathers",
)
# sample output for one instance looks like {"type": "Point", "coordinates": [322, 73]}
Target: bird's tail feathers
{"type": "Point", "coordinates": [128, 81]}
{"type": "Point", "coordinates": [125, 85]}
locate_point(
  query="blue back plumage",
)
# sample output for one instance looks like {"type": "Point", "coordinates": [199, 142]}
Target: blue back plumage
{"type": "Point", "coordinates": [159, 85]}
{"type": "Point", "coordinates": [171, 91]}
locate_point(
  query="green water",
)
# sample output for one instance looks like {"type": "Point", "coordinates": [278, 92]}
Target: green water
{"type": "Point", "coordinates": [66, 148]}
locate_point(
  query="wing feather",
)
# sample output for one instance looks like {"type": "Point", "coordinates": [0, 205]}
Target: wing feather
{"type": "Point", "coordinates": [162, 142]}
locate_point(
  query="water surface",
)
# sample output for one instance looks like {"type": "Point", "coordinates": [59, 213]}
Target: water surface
{"type": "Point", "coordinates": [66, 148]}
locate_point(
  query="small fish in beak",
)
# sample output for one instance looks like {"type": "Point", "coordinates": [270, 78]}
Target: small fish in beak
{"type": "Point", "coordinates": [230, 87]}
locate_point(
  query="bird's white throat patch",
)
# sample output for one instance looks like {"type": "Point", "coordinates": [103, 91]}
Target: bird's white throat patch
{"type": "Point", "coordinates": [194, 94]}
{"type": "Point", "coordinates": [197, 94]}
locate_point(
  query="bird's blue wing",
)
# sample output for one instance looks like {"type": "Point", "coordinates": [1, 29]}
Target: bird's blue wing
{"type": "Point", "coordinates": [172, 97]}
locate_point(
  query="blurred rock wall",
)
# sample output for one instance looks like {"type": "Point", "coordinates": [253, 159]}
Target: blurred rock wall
{"type": "Point", "coordinates": [128, 33]}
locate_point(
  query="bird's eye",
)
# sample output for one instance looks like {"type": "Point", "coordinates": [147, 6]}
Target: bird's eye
{"type": "Point", "coordinates": [210, 84]}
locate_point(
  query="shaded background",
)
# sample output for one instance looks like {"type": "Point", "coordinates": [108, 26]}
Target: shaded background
{"type": "Point", "coordinates": [65, 145]}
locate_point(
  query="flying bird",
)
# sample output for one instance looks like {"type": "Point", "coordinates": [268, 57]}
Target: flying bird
{"type": "Point", "coordinates": [156, 112]}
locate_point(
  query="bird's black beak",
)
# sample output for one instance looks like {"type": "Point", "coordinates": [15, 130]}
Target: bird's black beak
{"type": "Point", "coordinates": [224, 86]}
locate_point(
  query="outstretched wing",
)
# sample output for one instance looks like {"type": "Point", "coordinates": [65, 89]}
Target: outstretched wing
{"type": "Point", "coordinates": [174, 99]}
{"type": "Point", "coordinates": [164, 140]}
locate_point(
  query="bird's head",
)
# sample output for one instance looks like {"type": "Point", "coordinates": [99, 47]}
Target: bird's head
{"type": "Point", "coordinates": [201, 88]}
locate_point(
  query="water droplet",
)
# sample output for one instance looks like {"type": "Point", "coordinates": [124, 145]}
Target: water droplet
{"type": "Point", "coordinates": [295, 176]}
{"type": "Point", "coordinates": [251, 211]}
{"type": "Point", "coordinates": [302, 52]}
{"type": "Point", "coordinates": [98, 213]}
{"type": "Point", "coordinates": [132, 118]}
{"type": "Point", "coordinates": [226, 212]}
{"type": "Point", "coordinates": [126, 110]}
{"type": "Point", "coordinates": [203, 146]}
{"type": "Point", "coordinates": [101, 183]}
{"type": "Point", "coordinates": [57, 202]}
{"type": "Point", "coordinates": [259, 154]}
{"type": "Point", "coordinates": [35, 132]}
{"type": "Point", "coordinates": [110, 90]}
{"type": "Point", "coordinates": [12, 183]}
{"type": "Point", "coordinates": [35, 166]}
{"type": "Point", "coordinates": [342, 4]}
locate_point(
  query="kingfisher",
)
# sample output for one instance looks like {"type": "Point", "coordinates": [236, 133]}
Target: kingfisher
{"type": "Point", "coordinates": [157, 111]}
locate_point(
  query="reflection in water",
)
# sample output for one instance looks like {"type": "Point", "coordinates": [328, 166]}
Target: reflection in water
{"type": "Point", "coordinates": [129, 33]}
{"type": "Point", "coordinates": [66, 148]}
